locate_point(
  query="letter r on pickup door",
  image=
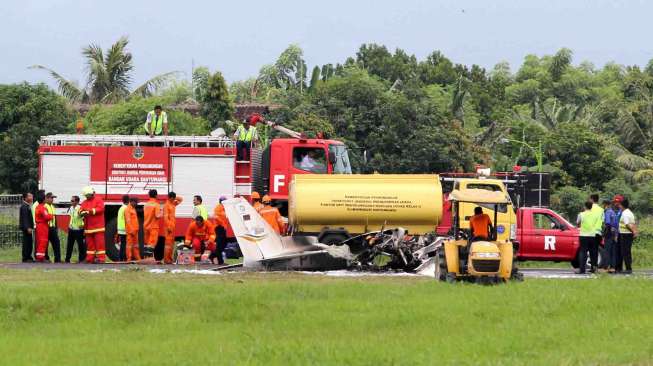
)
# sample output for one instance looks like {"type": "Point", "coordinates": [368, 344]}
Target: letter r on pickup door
{"type": "Point", "coordinates": [549, 243]}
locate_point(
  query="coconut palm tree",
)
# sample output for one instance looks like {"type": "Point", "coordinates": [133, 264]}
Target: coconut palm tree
{"type": "Point", "coordinates": [108, 78]}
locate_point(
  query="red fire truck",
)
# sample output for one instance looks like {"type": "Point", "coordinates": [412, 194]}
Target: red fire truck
{"type": "Point", "coordinates": [115, 165]}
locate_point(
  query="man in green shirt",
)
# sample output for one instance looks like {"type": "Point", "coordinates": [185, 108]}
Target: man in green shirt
{"type": "Point", "coordinates": [75, 231]}
{"type": "Point", "coordinates": [122, 233]}
{"type": "Point", "coordinates": [587, 222]}
{"type": "Point", "coordinates": [598, 213]}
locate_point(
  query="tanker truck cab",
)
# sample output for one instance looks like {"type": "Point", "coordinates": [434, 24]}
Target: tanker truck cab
{"type": "Point", "coordinates": [506, 219]}
{"type": "Point", "coordinates": [288, 157]}
{"type": "Point", "coordinates": [462, 257]}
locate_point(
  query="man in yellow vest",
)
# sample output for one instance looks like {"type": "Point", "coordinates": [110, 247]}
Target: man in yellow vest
{"type": "Point", "coordinates": [156, 122]}
{"type": "Point", "coordinates": [75, 231]}
{"type": "Point", "coordinates": [199, 209]}
{"type": "Point", "coordinates": [53, 232]}
{"type": "Point", "coordinates": [122, 231]}
{"type": "Point", "coordinates": [245, 134]}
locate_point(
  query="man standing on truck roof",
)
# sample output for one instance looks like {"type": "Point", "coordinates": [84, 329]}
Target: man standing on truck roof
{"type": "Point", "coordinates": [587, 222]}
{"type": "Point", "coordinates": [131, 228]}
{"type": "Point", "coordinates": [170, 223]}
{"type": "Point", "coordinates": [151, 216]}
{"type": "Point", "coordinates": [246, 134]}
{"type": "Point", "coordinates": [272, 216]}
{"type": "Point", "coordinates": [156, 122]}
{"type": "Point", "coordinates": [199, 209]}
{"type": "Point", "coordinates": [92, 210]}
{"type": "Point", "coordinates": [122, 233]}
{"type": "Point", "coordinates": [480, 225]}
{"type": "Point", "coordinates": [53, 230]}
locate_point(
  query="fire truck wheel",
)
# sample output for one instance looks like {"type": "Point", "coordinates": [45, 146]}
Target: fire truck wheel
{"type": "Point", "coordinates": [111, 238]}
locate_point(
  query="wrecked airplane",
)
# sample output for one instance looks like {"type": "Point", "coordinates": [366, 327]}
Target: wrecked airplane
{"type": "Point", "coordinates": [264, 249]}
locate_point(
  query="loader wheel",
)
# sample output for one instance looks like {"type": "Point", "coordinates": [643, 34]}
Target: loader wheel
{"type": "Point", "coordinates": [440, 265]}
{"type": "Point", "coordinates": [515, 275]}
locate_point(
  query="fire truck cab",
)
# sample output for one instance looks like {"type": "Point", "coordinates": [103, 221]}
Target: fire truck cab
{"type": "Point", "coordinates": [117, 165]}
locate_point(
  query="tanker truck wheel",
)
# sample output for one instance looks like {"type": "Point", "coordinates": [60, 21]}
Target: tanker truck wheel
{"type": "Point", "coordinates": [440, 265]}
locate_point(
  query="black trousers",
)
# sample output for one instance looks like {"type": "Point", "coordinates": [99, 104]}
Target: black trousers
{"type": "Point", "coordinates": [123, 247]}
{"type": "Point", "coordinates": [588, 243]}
{"type": "Point", "coordinates": [28, 239]}
{"type": "Point", "coordinates": [220, 244]}
{"type": "Point", "coordinates": [53, 237]}
{"type": "Point", "coordinates": [624, 252]}
{"type": "Point", "coordinates": [76, 236]}
{"type": "Point", "coordinates": [242, 150]}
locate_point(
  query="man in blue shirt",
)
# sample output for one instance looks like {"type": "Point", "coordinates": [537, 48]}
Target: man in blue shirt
{"type": "Point", "coordinates": [610, 233]}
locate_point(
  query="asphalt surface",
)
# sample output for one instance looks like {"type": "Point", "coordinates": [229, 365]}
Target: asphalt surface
{"type": "Point", "coordinates": [208, 268]}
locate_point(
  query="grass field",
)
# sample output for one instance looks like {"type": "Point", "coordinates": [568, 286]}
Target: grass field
{"type": "Point", "coordinates": [137, 318]}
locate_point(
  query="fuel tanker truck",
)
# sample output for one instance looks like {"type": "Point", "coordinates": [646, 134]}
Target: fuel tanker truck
{"type": "Point", "coordinates": [337, 207]}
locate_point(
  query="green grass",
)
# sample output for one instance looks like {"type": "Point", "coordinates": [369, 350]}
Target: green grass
{"type": "Point", "coordinates": [136, 318]}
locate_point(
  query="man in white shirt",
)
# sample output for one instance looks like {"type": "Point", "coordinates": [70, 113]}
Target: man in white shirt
{"type": "Point", "coordinates": [627, 233]}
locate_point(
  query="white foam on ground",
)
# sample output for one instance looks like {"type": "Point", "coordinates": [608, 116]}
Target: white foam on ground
{"type": "Point", "coordinates": [191, 271]}
{"type": "Point", "coordinates": [345, 273]}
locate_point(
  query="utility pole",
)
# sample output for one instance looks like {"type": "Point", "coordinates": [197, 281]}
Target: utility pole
{"type": "Point", "coordinates": [192, 79]}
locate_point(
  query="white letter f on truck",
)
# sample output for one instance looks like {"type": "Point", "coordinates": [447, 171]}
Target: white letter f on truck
{"type": "Point", "coordinates": [278, 182]}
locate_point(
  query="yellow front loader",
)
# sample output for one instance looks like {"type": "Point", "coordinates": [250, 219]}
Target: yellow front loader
{"type": "Point", "coordinates": [463, 257]}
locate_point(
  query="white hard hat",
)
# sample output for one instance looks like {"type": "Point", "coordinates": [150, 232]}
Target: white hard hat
{"type": "Point", "coordinates": [88, 190]}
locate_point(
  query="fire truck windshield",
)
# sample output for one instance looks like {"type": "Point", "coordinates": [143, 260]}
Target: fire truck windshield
{"type": "Point", "coordinates": [340, 159]}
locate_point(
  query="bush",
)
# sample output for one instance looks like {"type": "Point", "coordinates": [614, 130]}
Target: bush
{"type": "Point", "coordinates": [569, 201]}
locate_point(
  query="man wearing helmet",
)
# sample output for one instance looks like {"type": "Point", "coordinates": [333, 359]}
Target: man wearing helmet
{"type": "Point", "coordinates": [271, 215]}
{"type": "Point", "coordinates": [92, 210]}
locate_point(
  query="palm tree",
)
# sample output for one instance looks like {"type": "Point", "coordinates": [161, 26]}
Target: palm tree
{"type": "Point", "coordinates": [109, 76]}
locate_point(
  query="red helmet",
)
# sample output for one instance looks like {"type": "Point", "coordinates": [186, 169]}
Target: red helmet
{"type": "Point", "coordinates": [618, 198]}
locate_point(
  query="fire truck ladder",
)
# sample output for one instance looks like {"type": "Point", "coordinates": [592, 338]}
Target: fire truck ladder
{"type": "Point", "coordinates": [136, 140]}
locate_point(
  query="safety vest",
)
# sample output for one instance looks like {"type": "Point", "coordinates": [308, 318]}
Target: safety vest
{"type": "Point", "coordinates": [158, 122]}
{"type": "Point", "coordinates": [246, 135]}
{"type": "Point", "coordinates": [200, 210]}
{"type": "Point", "coordinates": [50, 208]}
{"type": "Point", "coordinates": [76, 221]}
{"type": "Point", "coordinates": [587, 224]}
{"type": "Point", "coordinates": [121, 220]}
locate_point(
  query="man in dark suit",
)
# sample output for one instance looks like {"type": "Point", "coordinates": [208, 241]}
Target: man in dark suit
{"type": "Point", "coordinates": [26, 225]}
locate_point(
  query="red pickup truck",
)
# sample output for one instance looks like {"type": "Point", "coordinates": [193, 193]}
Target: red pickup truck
{"type": "Point", "coordinates": [544, 235]}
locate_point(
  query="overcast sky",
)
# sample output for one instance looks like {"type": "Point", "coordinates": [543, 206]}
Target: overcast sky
{"type": "Point", "coordinates": [238, 37]}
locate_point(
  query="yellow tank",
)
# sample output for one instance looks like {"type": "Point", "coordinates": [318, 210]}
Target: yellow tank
{"type": "Point", "coordinates": [362, 203]}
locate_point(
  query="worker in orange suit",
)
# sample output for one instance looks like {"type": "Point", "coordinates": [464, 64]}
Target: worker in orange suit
{"type": "Point", "coordinates": [92, 210]}
{"type": "Point", "coordinates": [223, 231]}
{"type": "Point", "coordinates": [200, 236]}
{"type": "Point", "coordinates": [170, 222]}
{"type": "Point", "coordinates": [256, 201]}
{"type": "Point", "coordinates": [131, 229]}
{"type": "Point", "coordinates": [152, 215]}
{"type": "Point", "coordinates": [271, 215]}
{"type": "Point", "coordinates": [42, 218]}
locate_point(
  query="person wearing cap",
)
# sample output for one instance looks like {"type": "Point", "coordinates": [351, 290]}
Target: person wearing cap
{"type": "Point", "coordinates": [271, 215]}
{"type": "Point", "coordinates": [199, 209]}
{"type": "Point", "coordinates": [627, 233]}
{"type": "Point", "coordinates": [156, 122]}
{"type": "Point", "coordinates": [223, 231]}
{"type": "Point", "coordinates": [170, 224]}
{"type": "Point", "coordinates": [200, 235]}
{"type": "Point", "coordinates": [75, 231]}
{"type": "Point", "coordinates": [246, 134]}
{"type": "Point", "coordinates": [53, 230]}
{"type": "Point", "coordinates": [92, 210]}
{"type": "Point", "coordinates": [151, 216]}
{"type": "Point", "coordinates": [256, 201]}
{"type": "Point", "coordinates": [42, 218]}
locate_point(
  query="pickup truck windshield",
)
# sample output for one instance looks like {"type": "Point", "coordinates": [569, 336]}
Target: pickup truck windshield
{"type": "Point", "coordinates": [341, 163]}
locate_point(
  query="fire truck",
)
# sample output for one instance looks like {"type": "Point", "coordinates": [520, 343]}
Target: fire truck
{"type": "Point", "coordinates": [117, 165]}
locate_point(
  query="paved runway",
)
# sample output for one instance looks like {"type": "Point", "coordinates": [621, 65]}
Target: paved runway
{"type": "Point", "coordinates": [561, 273]}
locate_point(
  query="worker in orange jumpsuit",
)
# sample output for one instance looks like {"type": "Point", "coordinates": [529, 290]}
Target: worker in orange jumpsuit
{"type": "Point", "coordinates": [152, 216]}
{"type": "Point", "coordinates": [223, 231]}
{"type": "Point", "coordinates": [256, 201]}
{"type": "Point", "coordinates": [480, 225]}
{"type": "Point", "coordinates": [42, 218]}
{"type": "Point", "coordinates": [92, 210]}
{"type": "Point", "coordinates": [170, 222]}
{"type": "Point", "coordinates": [131, 229]}
{"type": "Point", "coordinates": [201, 236]}
{"type": "Point", "coordinates": [271, 215]}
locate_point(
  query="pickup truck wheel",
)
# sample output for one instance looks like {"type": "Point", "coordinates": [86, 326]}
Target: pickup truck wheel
{"type": "Point", "coordinates": [440, 265]}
